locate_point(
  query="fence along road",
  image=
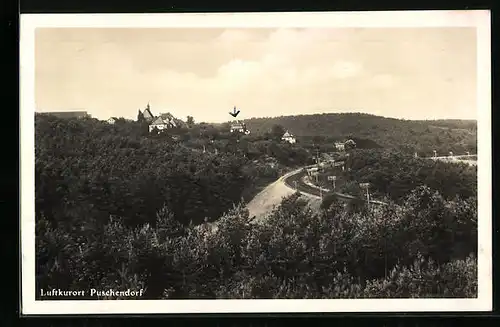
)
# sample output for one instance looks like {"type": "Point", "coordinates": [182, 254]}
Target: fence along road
{"type": "Point", "coordinates": [457, 158]}
{"type": "Point", "coordinates": [295, 181]}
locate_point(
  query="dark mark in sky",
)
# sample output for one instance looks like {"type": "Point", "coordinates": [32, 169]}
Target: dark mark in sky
{"type": "Point", "coordinates": [234, 113]}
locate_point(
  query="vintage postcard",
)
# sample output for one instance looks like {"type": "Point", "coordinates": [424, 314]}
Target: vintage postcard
{"type": "Point", "coordinates": [256, 162]}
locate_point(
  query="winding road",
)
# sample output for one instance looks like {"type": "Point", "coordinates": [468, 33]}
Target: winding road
{"type": "Point", "coordinates": [273, 194]}
{"type": "Point", "coordinates": [294, 181]}
{"type": "Point", "coordinates": [287, 185]}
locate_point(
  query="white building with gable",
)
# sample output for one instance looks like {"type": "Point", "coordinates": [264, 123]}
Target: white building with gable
{"type": "Point", "coordinates": [288, 137]}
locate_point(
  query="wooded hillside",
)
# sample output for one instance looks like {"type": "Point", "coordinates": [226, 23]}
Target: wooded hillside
{"type": "Point", "coordinates": [422, 136]}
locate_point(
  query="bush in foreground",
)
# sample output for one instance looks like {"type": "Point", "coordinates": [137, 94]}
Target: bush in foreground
{"type": "Point", "coordinates": [296, 253]}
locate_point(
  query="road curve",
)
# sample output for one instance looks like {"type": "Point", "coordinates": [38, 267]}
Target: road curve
{"type": "Point", "coordinates": [273, 194]}
{"type": "Point", "coordinates": [313, 190]}
{"type": "Point", "coordinates": [287, 185]}
{"type": "Point", "coordinates": [291, 182]}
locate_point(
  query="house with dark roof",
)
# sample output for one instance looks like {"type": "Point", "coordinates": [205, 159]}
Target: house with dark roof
{"type": "Point", "coordinates": [341, 146]}
{"type": "Point", "coordinates": [148, 116]}
{"type": "Point", "coordinates": [165, 121]}
{"type": "Point", "coordinates": [112, 120]}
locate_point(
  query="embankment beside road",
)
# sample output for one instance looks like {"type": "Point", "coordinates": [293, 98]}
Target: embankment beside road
{"type": "Point", "coordinates": [273, 194]}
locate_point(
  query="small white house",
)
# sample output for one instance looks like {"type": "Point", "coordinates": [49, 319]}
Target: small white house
{"type": "Point", "coordinates": [239, 127]}
{"type": "Point", "coordinates": [160, 124]}
{"type": "Point", "coordinates": [112, 120]}
{"type": "Point", "coordinates": [288, 137]}
{"type": "Point", "coordinates": [340, 146]}
{"type": "Point", "coordinates": [350, 144]}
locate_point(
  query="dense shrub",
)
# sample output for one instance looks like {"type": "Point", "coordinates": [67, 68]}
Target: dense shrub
{"type": "Point", "coordinates": [392, 251]}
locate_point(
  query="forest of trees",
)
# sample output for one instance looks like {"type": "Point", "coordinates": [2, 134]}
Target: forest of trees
{"type": "Point", "coordinates": [117, 207]}
{"type": "Point", "coordinates": [89, 170]}
{"type": "Point", "coordinates": [423, 249]}
{"type": "Point", "coordinates": [371, 131]}
{"type": "Point", "coordinates": [100, 169]}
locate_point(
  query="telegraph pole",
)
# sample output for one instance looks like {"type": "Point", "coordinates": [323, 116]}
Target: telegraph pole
{"type": "Point", "coordinates": [366, 186]}
{"type": "Point", "coordinates": [368, 197]}
{"type": "Point", "coordinates": [385, 248]}
{"type": "Point", "coordinates": [332, 178]}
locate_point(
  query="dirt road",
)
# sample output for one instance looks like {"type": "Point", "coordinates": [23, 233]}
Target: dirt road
{"type": "Point", "coordinates": [271, 196]}
{"type": "Point", "coordinates": [286, 185]}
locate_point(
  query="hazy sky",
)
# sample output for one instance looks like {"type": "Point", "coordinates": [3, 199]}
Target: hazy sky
{"type": "Point", "coordinates": [412, 73]}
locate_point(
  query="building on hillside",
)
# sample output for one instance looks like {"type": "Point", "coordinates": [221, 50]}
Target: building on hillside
{"type": "Point", "coordinates": [66, 114]}
{"type": "Point", "coordinates": [112, 120]}
{"type": "Point", "coordinates": [350, 144]}
{"type": "Point", "coordinates": [160, 124]}
{"type": "Point", "coordinates": [340, 146]}
{"type": "Point", "coordinates": [288, 137]}
{"type": "Point", "coordinates": [165, 121]}
{"type": "Point", "coordinates": [176, 122]}
{"type": "Point", "coordinates": [239, 127]}
{"type": "Point", "coordinates": [148, 116]}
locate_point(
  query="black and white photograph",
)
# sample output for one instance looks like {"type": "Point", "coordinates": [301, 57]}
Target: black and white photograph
{"type": "Point", "coordinates": [256, 162]}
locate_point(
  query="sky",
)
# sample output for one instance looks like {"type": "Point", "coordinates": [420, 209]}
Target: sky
{"type": "Point", "coordinates": [409, 73]}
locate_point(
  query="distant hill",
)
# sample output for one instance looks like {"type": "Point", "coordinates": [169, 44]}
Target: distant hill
{"type": "Point", "coordinates": [423, 136]}
{"type": "Point", "coordinates": [65, 114]}
{"type": "Point", "coordinates": [451, 123]}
